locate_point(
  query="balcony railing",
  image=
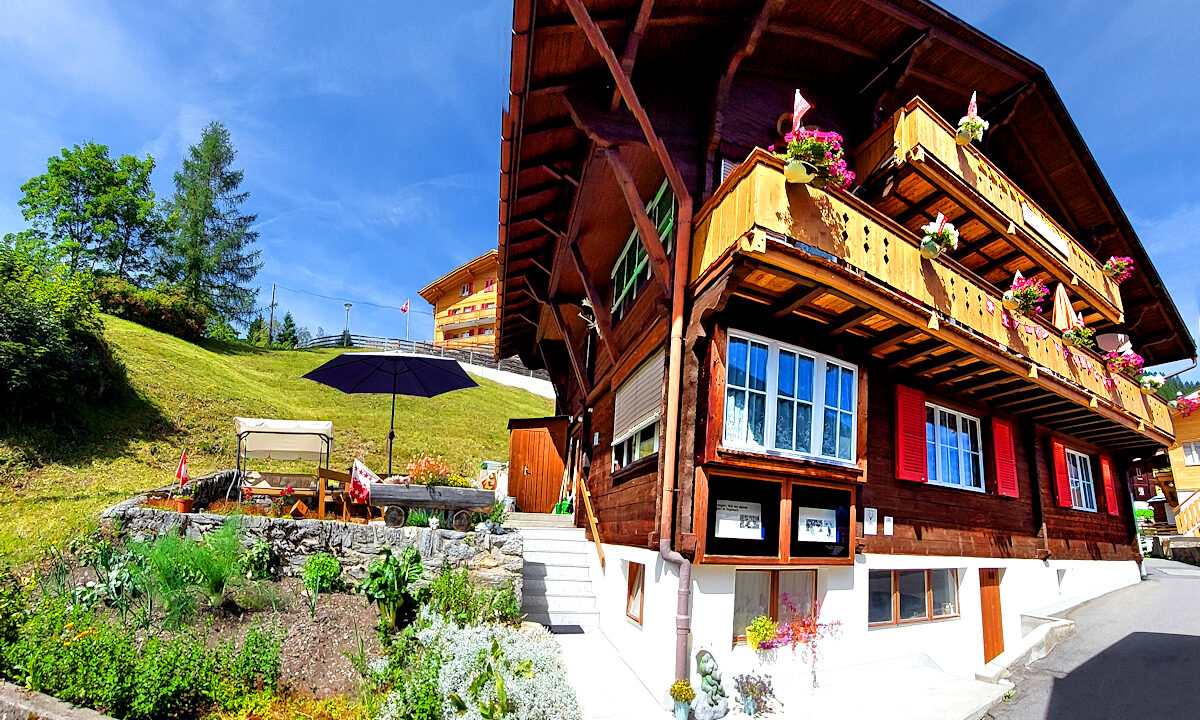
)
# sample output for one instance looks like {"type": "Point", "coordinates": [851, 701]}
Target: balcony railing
{"type": "Point", "coordinates": [916, 134]}
{"type": "Point", "coordinates": [854, 234]}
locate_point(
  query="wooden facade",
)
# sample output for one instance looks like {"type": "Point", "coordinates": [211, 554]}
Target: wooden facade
{"type": "Point", "coordinates": [834, 274]}
{"type": "Point", "coordinates": [464, 304]}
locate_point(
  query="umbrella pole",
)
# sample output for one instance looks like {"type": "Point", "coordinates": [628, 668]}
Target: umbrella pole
{"type": "Point", "coordinates": [392, 427]}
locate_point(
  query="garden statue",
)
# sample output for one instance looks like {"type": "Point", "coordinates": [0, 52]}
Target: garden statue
{"type": "Point", "coordinates": [711, 702]}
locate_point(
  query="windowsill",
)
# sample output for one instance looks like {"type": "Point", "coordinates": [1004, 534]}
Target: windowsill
{"type": "Point", "coordinates": [841, 466]}
{"type": "Point", "coordinates": [635, 469]}
{"type": "Point", "coordinates": [952, 486]}
{"type": "Point", "coordinates": [911, 623]}
{"type": "Point", "coordinates": [1083, 509]}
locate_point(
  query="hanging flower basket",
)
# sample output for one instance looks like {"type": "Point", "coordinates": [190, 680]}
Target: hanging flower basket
{"type": "Point", "coordinates": [939, 236]}
{"type": "Point", "coordinates": [821, 159]}
{"type": "Point", "coordinates": [1151, 382]}
{"type": "Point", "coordinates": [1129, 363]}
{"type": "Point", "coordinates": [1025, 297]}
{"type": "Point", "coordinates": [1119, 268]}
{"type": "Point", "coordinates": [970, 129]}
{"type": "Point", "coordinates": [1081, 337]}
{"type": "Point", "coordinates": [1186, 406]}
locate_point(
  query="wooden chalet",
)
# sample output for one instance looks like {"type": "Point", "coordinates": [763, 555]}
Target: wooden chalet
{"type": "Point", "coordinates": [770, 392]}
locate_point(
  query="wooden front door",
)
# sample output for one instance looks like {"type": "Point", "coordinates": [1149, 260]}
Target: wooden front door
{"type": "Point", "coordinates": [993, 625]}
{"type": "Point", "coordinates": [536, 459]}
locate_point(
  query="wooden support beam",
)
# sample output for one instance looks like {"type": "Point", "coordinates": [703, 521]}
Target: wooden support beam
{"type": "Point", "coordinates": [810, 34]}
{"type": "Point", "coordinates": [798, 298]}
{"type": "Point", "coordinates": [999, 262]}
{"type": "Point", "coordinates": [851, 319]}
{"type": "Point", "coordinates": [577, 364]}
{"type": "Point", "coordinates": [659, 265]}
{"type": "Point", "coordinates": [632, 40]}
{"type": "Point", "coordinates": [985, 370]}
{"type": "Point", "coordinates": [553, 230]}
{"type": "Point", "coordinates": [920, 207]}
{"type": "Point", "coordinates": [954, 360]}
{"type": "Point", "coordinates": [915, 352]}
{"type": "Point", "coordinates": [895, 339]}
{"type": "Point", "coordinates": [599, 308]}
{"type": "Point", "coordinates": [559, 174]}
{"type": "Point", "coordinates": [993, 383]}
{"type": "Point", "coordinates": [1067, 219]}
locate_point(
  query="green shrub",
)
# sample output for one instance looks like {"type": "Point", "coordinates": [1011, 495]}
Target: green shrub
{"type": "Point", "coordinates": [452, 596]}
{"type": "Point", "coordinates": [260, 596]}
{"type": "Point", "coordinates": [52, 356]}
{"type": "Point", "coordinates": [321, 573]}
{"type": "Point", "coordinates": [165, 308]}
{"type": "Point", "coordinates": [258, 562]}
{"type": "Point", "coordinates": [388, 584]}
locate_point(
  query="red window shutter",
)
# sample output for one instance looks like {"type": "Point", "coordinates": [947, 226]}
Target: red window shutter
{"type": "Point", "coordinates": [1062, 481]}
{"type": "Point", "coordinates": [910, 435]}
{"type": "Point", "coordinates": [1110, 485]}
{"type": "Point", "coordinates": [470, 287]}
{"type": "Point", "coordinates": [1004, 453]}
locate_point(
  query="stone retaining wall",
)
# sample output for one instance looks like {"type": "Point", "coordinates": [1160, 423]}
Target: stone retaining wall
{"type": "Point", "coordinates": [492, 560]}
{"type": "Point", "coordinates": [20, 704]}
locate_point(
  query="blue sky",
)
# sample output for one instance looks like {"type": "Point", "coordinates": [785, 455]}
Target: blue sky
{"type": "Point", "coordinates": [369, 132]}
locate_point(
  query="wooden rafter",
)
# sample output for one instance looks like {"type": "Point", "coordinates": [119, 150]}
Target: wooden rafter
{"type": "Point", "coordinates": [895, 339]}
{"type": "Point", "coordinates": [798, 298]}
{"type": "Point", "coordinates": [572, 351]}
{"type": "Point", "coordinates": [821, 37]}
{"type": "Point", "coordinates": [999, 262]}
{"type": "Point", "coordinates": [851, 319]}
{"type": "Point", "coordinates": [654, 248]}
{"type": "Point", "coordinates": [916, 352]}
{"type": "Point", "coordinates": [599, 308]}
{"type": "Point", "coordinates": [993, 383]}
{"type": "Point", "coordinates": [632, 40]}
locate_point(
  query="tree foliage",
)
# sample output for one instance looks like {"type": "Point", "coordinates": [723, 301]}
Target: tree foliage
{"type": "Point", "coordinates": [287, 336]}
{"type": "Point", "coordinates": [211, 255]}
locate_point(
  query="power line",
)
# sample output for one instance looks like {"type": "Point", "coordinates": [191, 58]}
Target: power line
{"type": "Point", "coordinates": [356, 302]}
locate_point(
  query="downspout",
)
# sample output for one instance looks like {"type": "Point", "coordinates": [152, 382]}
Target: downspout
{"type": "Point", "coordinates": [683, 610]}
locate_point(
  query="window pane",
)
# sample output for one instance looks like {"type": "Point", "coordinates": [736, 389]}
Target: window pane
{"type": "Point", "coordinates": [803, 427]}
{"type": "Point", "coordinates": [879, 596]}
{"type": "Point", "coordinates": [787, 374]}
{"type": "Point", "coordinates": [735, 415]}
{"type": "Point", "coordinates": [912, 594]}
{"type": "Point", "coordinates": [948, 440]}
{"type": "Point", "coordinates": [847, 398]}
{"type": "Point", "coordinates": [646, 440]}
{"type": "Point", "coordinates": [930, 444]}
{"type": "Point", "coordinates": [758, 366]}
{"type": "Point", "coordinates": [756, 411]}
{"type": "Point", "coordinates": [844, 432]}
{"type": "Point", "coordinates": [972, 435]}
{"type": "Point", "coordinates": [751, 591]}
{"type": "Point", "coordinates": [796, 588]}
{"type": "Point", "coordinates": [736, 374]}
{"type": "Point", "coordinates": [804, 378]}
{"type": "Point", "coordinates": [831, 384]}
{"type": "Point", "coordinates": [945, 599]}
{"type": "Point", "coordinates": [783, 424]}
{"type": "Point", "coordinates": [829, 434]}
{"type": "Point", "coordinates": [970, 470]}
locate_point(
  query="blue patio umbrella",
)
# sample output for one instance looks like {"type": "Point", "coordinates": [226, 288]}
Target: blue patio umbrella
{"type": "Point", "coordinates": [397, 373]}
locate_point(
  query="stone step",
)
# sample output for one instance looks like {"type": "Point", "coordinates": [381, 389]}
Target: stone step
{"type": "Point", "coordinates": [535, 571]}
{"type": "Point", "coordinates": [558, 603]}
{"type": "Point", "coordinates": [556, 557]}
{"type": "Point", "coordinates": [580, 618]}
{"type": "Point", "coordinates": [558, 586]}
{"type": "Point", "coordinates": [540, 520]}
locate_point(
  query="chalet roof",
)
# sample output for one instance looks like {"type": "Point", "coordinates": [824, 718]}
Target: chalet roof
{"type": "Point", "coordinates": [859, 59]}
{"type": "Point", "coordinates": [459, 275]}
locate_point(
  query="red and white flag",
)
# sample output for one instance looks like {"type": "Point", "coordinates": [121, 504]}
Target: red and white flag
{"type": "Point", "coordinates": [941, 222]}
{"type": "Point", "coordinates": [404, 307]}
{"type": "Point", "coordinates": [181, 473]}
{"type": "Point", "coordinates": [799, 107]}
{"type": "Point", "coordinates": [973, 108]}
{"type": "Point", "coordinates": [361, 479]}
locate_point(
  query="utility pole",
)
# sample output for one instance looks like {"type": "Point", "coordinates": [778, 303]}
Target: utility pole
{"type": "Point", "coordinates": [271, 326]}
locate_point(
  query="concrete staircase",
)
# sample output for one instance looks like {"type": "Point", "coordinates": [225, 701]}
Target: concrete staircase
{"type": "Point", "coordinates": [557, 576]}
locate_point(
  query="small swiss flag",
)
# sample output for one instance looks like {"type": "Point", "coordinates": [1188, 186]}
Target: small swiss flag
{"type": "Point", "coordinates": [800, 106]}
{"type": "Point", "coordinates": [404, 307]}
{"type": "Point", "coordinates": [181, 473]}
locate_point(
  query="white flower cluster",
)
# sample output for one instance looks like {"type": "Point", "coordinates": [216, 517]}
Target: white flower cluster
{"type": "Point", "coordinates": [1152, 380]}
{"type": "Point", "coordinates": [974, 125]}
{"type": "Point", "coordinates": [947, 237]}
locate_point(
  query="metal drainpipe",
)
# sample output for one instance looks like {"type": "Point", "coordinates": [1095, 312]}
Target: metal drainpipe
{"type": "Point", "coordinates": [683, 610]}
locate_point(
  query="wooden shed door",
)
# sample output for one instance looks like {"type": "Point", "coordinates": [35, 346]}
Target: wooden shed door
{"type": "Point", "coordinates": [535, 464]}
{"type": "Point", "coordinates": [993, 625]}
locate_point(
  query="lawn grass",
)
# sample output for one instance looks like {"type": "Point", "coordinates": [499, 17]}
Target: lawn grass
{"type": "Point", "coordinates": [185, 396]}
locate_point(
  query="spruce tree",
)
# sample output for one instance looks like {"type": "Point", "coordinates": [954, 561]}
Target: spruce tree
{"type": "Point", "coordinates": [287, 334]}
{"type": "Point", "coordinates": [212, 253]}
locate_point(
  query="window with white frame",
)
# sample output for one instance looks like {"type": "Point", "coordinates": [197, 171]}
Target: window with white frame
{"type": "Point", "coordinates": [781, 398]}
{"type": "Point", "coordinates": [953, 453]}
{"type": "Point", "coordinates": [636, 412]}
{"type": "Point", "coordinates": [632, 269]}
{"type": "Point", "coordinates": [1083, 489]}
{"type": "Point", "coordinates": [1191, 453]}
{"type": "Point", "coordinates": [465, 290]}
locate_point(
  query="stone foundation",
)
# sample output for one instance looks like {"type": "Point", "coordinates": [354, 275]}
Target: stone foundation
{"type": "Point", "coordinates": [492, 560]}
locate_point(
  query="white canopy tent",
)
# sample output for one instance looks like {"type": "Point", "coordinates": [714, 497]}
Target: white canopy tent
{"type": "Point", "coordinates": [284, 439]}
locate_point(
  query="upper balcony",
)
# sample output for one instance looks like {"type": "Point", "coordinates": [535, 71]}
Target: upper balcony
{"type": "Point", "coordinates": [843, 263]}
{"type": "Point", "coordinates": [474, 318]}
{"type": "Point", "coordinates": [913, 169]}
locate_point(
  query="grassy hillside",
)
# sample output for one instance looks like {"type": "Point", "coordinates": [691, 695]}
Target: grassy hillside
{"type": "Point", "coordinates": [186, 396]}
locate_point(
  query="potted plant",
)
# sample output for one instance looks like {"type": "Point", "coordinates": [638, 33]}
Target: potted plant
{"type": "Point", "coordinates": [759, 631]}
{"type": "Point", "coordinates": [428, 470]}
{"type": "Point", "coordinates": [1119, 268]}
{"type": "Point", "coordinates": [1127, 363]}
{"type": "Point", "coordinates": [971, 126]}
{"type": "Point", "coordinates": [1079, 336]}
{"type": "Point", "coordinates": [815, 157]}
{"type": "Point", "coordinates": [683, 695]}
{"type": "Point", "coordinates": [1187, 406]}
{"type": "Point", "coordinates": [1151, 382]}
{"type": "Point", "coordinates": [756, 692]}
{"type": "Point", "coordinates": [185, 498]}
{"type": "Point", "coordinates": [1025, 297]}
{"type": "Point", "coordinates": [939, 236]}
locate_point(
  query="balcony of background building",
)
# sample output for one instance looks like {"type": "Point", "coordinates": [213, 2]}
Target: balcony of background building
{"type": "Point", "coordinates": [833, 258]}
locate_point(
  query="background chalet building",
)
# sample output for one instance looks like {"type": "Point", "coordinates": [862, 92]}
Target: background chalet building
{"type": "Point", "coordinates": [770, 391]}
{"type": "Point", "coordinates": [464, 304]}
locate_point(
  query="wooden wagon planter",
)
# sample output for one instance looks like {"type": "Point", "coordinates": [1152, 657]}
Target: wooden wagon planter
{"type": "Point", "coordinates": [397, 500]}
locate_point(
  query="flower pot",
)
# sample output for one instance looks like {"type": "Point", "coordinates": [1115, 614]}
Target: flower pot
{"type": "Point", "coordinates": [184, 504]}
{"type": "Point", "coordinates": [681, 710]}
{"type": "Point", "coordinates": [748, 706]}
{"type": "Point", "coordinates": [1068, 341]}
{"type": "Point", "coordinates": [930, 249]}
{"type": "Point", "coordinates": [1148, 389]}
{"type": "Point", "coordinates": [800, 172]}
{"type": "Point", "coordinates": [963, 136]}
{"type": "Point", "coordinates": [1109, 271]}
{"type": "Point", "coordinates": [1009, 300]}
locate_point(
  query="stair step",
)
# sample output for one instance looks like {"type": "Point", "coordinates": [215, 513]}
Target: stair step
{"type": "Point", "coordinates": [581, 618]}
{"type": "Point", "coordinates": [536, 571]}
{"type": "Point", "coordinates": [540, 520]}
{"type": "Point", "coordinates": [558, 603]}
{"type": "Point", "coordinates": [556, 544]}
{"type": "Point", "coordinates": [562, 559]}
{"type": "Point", "coordinates": [557, 586]}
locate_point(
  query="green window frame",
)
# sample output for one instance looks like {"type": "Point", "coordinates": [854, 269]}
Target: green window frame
{"type": "Point", "coordinates": [632, 268]}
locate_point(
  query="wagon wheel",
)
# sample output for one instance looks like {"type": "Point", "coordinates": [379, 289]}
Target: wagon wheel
{"type": "Point", "coordinates": [394, 516]}
{"type": "Point", "coordinates": [462, 520]}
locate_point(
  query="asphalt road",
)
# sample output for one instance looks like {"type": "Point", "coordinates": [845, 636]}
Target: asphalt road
{"type": "Point", "coordinates": [1135, 655]}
